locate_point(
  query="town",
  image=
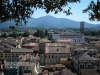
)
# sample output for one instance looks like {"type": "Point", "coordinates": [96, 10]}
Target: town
{"type": "Point", "coordinates": [59, 53]}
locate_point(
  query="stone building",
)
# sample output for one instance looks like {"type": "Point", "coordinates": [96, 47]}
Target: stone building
{"type": "Point", "coordinates": [50, 53]}
{"type": "Point", "coordinates": [76, 36]}
{"type": "Point", "coordinates": [84, 60]}
{"type": "Point", "coordinates": [12, 55]}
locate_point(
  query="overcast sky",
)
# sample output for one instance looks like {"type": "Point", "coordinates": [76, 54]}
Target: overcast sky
{"type": "Point", "coordinates": [76, 9]}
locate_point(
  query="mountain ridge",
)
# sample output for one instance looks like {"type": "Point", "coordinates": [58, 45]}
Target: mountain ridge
{"type": "Point", "coordinates": [50, 21]}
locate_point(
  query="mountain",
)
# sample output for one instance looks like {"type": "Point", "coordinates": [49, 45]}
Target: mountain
{"type": "Point", "coordinates": [50, 21]}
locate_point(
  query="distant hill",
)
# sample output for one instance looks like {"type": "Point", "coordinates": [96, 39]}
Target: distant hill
{"type": "Point", "coordinates": [49, 21]}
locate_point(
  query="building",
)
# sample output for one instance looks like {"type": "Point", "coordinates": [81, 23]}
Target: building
{"type": "Point", "coordinates": [92, 39]}
{"type": "Point", "coordinates": [76, 36]}
{"type": "Point", "coordinates": [27, 64]}
{"type": "Point", "coordinates": [19, 68]}
{"type": "Point", "coordinates": [89, 72]}
{"type": "Point", "coordinates": [57, 69]}
{"type": "Point", "coordinates": [82, 27]}
{"type": "Point", "coordinates": [12, 55]}
{"type": "Point", "coordinates": [84, 60]}
{"type": "Point", "coordinates": [31, 46]}
{"type": "Point", "coordinates": [66, 61]}
{"type": "Point", "coordinates": [50, 53]}
{"type": "Point", "coordinates": [35, 40]}
{"type": "Point", "coordinates": [68, 41]}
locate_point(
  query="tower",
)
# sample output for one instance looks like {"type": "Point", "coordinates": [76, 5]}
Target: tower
{"type": "Point", "coordinates": [82, 27]}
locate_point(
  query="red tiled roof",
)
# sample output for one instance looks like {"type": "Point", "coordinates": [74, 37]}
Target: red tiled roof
{"type": "Point", "coordinates": [46, 40]}
{"type": "Point", "coordinates": [57, 50]}
{"type": "Point", "coordinates": [68, 40]}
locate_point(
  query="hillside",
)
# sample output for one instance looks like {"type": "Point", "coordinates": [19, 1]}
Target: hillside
{"type": "Point", "coordinates": [49, 21]}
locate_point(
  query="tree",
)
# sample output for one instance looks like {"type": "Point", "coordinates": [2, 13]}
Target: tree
{"type": "Point", "coordinates": [20, 34]}
{"type": "Point", "coordinates": [40, 33]}
{"type": "Point", "coordinates": [26, 34]}
{"type": "Point", "coordinates": [93, 10]}
{"type": "Point", "coordinates": [46, 32]}
{"type": "Point", "coordinates": [20, 10]}
{"type": "Point", "coordinates": [51, 39]}
{"type": "Point", "coordinates": [4, 35]}
{"type": "Point", "coordinates": [92, 33]}
{"type": "Point", "coordinates": [14, 34]}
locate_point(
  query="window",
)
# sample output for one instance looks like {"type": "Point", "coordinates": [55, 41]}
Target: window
{"type": "Point", "coordinates": [16, 57]}
{"type": "Point", "coordinates": [45, 56]}
{"type": "Point", "coordinates": [55, 56]}
{"type": "Point", "coordinates": [52, 56]}
{"type": "Point", "coordinates": [41, 56]}
{"type": "Point", "coordinates": [45, 61]}
{"type": "Point", "coordinates": [89, 66]}
{"type": "Point", "coordinates": [59, 56]}
{"type": "Point", "coordinates": [27, 68]}
{"type": "Point", "coordinates": [49, 56]}
{"type": "Point", "coordinates": [49, 61]}
{"type": "Point", "coordinates": [52, 61]}
{"type": "Point", "coordinates": [81, 66]}
{"type": "Point", "coordinates": [9, 57]}
{"type": "Point", "coordinates": [55, 61]}
{"type": "Point", "coordinates": [13, 58]}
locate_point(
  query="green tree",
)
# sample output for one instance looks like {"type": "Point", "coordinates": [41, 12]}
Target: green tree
{"type": "Point", "coordinates": [4, 35]}
{"type": "Point", "coordinates": [51, 39]}
{"type": "Point", "coordinates": [20, 34]}
{"type": "Point", "coordinates": [26, 34]}
{"type": "Point", "coordinates": [46, 32]}
{"type": "Point", "coordinates": [20, 10]}
{"type": "Point", "coordinates": [14, 34]}
{"type": "Point", "coordinates": [93, 10]}
{"type": "Point", "coordinates": [40, 33]}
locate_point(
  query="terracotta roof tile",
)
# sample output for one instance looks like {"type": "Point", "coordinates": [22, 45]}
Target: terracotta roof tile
{"type": "Point", "coordinates": [68, 40]}
{"type": "Point", "coordinates": [57, 50]}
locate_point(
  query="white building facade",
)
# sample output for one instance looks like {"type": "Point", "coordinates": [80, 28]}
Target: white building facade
{"type": "Point", "coordinates": [77, 37]}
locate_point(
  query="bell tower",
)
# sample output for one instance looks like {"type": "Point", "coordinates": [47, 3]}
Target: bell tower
{"type": "Point", "coordinates": [82, 27]}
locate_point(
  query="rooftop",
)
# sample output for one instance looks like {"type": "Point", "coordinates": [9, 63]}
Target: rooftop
{"type": "Point", "coordinates": [57, 45]}
{"type": "Point", "coordinates": [89, 72]}
{"type": "Point", "coordinates": [56, 65]}
{"type": "Point", "coordinates": [16, 64]}
{"type": "Point", "coordinates": [29, 57]}
{"type": "Point", "coordinates": [57, 50]}
{"type": "Point", "coordinates": [68, 40]}
{"type": "Point", "coordinates": [84, 56]}
{"type": "Point", "coordinates": [22, 50]}
{"type": "Point", "coordinates": [46, 40]}
{"type": "Point", "coordinates": [31, 44]}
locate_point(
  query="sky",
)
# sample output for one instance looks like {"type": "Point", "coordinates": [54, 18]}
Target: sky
{"type": "Point", "coordinates": [76, 9]}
